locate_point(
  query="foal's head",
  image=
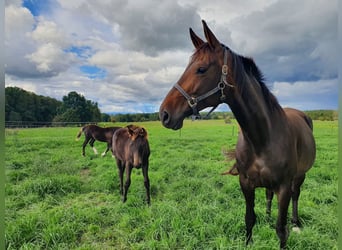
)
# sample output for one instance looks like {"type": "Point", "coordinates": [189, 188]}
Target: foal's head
{"type": "Point", "coordinates": [202, 75]}
{"type": "Point", "coordinates": [136, 131]}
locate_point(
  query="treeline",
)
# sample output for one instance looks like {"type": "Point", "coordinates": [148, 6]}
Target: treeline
{"type": "Point", "coordinates": [21, 105]}
{"type": "Point", "coordinates": [323, 115]}
{"type": "Point", "coordinates": [139, 117]}
{"type": "Point", "coordinates": [27, 107]}
{"type": "Point", "coordinates": [24, 106]}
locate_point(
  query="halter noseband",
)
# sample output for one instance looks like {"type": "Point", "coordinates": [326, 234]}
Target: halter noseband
{"type": "Point", "coordinates": [193, 101]}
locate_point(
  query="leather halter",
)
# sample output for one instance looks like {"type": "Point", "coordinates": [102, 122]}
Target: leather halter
{"type": "Point", "coordinates": [193, 101]}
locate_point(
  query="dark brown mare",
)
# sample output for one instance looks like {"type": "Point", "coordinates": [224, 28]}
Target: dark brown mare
{"type": "Point", "coordinates": [93, 133]}
{"type": "Point", "coordinates": [131, 150]}
{"type": "Point", "coordinates": [275, 147]}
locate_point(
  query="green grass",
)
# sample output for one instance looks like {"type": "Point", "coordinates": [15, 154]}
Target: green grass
{"type": "Point", "coordinates": [57, 199]}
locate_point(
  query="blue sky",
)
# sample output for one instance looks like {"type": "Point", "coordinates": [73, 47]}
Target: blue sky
{"type": "Point", "coordinates": [126, 55]}
{"type": "Point", "coordinates": [38, 7]}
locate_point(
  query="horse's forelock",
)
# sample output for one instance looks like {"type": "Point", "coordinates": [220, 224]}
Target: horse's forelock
{"type": "Point", "coordinates": [202, 51]}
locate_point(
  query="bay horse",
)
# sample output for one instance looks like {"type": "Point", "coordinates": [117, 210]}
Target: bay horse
{"type": "Point", "coordinates": [131, 150]}
{"type": "Point", "coordinates": [92, 133]}
{"type": "Point", "coordinates": [276, 146]}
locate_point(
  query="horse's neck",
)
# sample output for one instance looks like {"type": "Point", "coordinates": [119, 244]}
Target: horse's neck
{"type": "Point", "coordinates": [254, 116]}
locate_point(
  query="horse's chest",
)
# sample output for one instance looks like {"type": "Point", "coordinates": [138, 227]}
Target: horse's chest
{"type": "Point", "coordinates": [258, 174]}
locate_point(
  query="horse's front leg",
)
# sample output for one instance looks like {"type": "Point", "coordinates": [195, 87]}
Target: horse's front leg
{"type": "Point", "coordinates": [250, 217]}
{"type": "Point", "coordinates": [128, 181]}
{"type": "Point", "coordinates": [269, 197]}
{"type": "Point", "coordinates": [297, 182]}
{"type": "Point", "coordinates": [146, 183]}
{"type": "Point", "coordinates": [284, 197]}
{"type": "Point", "coordinates": [120, 171]}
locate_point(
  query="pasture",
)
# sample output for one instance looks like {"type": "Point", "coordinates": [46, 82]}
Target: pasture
{"type": "Point", "coordinates": [57, 199]}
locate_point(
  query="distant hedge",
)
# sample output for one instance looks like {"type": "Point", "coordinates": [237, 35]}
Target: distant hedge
{"type": "Point", "coordinates": [323, 115]}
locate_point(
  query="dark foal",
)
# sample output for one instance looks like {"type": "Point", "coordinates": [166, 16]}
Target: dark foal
{"type": "Point", "coordinates": [131, 150]}
{"type": "Point", "coordinates": [94, 133]}
{"type": "Point", "coordinates": [276, 146]}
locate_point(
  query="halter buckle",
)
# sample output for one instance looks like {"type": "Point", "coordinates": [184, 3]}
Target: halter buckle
{"type": "Point", "coordinates": [192, 101]}
{"type": "Point", "coordinates": [221, 85]}
{"type": "Point", "coordinates": [224, 69]}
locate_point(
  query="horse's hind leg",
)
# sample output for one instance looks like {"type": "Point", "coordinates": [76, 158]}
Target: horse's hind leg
{"type": "Point", "coordinates": [269, 197]}
{"type": "Point", "coordinates": [146, 183]}
{"type": "Point", "coordinates": [297, 182]}
{"type": "Point", "coordinates": [84, 145]}
{"type": "Point", "coordinates": [108, 147]}
{"type": "Point", "coordinates": [91, 143]}
{"type": "Point", "coordinates": [250, 217]}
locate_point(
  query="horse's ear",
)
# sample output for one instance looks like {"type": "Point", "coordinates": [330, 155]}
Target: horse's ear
{"type": "Point", "coordinates": [196, 40]}
{"type": "Point", "coordinates": [209, 35]}
{"type": "Point", "coordinates": [143, 133]}
{"type": "Point", "coordinates": [130, 130]}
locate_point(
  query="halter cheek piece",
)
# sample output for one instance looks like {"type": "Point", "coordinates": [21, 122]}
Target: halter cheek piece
{"type": "Point", "coordinates": [193, 101]}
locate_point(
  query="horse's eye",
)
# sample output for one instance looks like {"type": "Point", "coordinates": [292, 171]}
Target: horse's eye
{"type": "Point", "coordinates": [201, 70]}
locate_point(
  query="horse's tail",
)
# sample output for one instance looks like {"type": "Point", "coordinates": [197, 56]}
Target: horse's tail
{"type": "Point", "coordinates": [308, 121]}
{"type": "Point", "coordinates": [230, 155]}
{"type": "Point", "coordinates": [232, 171]}
{"type": "Point", "coordinates": [79, 134]}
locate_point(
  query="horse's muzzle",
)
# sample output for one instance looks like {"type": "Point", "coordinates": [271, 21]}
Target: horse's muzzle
{"type": "Point", "coordinates": [168, 121]}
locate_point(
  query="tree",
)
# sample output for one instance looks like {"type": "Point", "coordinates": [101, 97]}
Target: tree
{"type": "Point", "coordinates": [76, 108]}
{"type": "Point", "coordinates": [21, 105]}
{"type": "Point", "coordinates": [70, 115]}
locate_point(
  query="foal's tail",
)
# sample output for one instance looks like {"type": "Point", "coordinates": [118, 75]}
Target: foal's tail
{"type": "Point", "coordinates": [79, 134]}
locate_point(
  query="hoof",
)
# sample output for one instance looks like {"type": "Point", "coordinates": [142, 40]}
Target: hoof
{"type": "Point", "coordinates": [296, 230]}
{"type": "Point", "coordinates": [296, 223]}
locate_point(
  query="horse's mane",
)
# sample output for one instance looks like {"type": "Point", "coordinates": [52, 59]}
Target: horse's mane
{"type": "Point", "coordinates": [247, 72]}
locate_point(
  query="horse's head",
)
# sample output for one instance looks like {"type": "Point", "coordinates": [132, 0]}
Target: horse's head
{"type": "Point", "coordinates": [203, 84]}
{"type": "Point", "coordinates": [136, 131]}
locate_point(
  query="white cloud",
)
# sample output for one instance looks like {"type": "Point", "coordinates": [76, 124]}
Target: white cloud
{"type": "Point", "coordinates": [17, 20]}
{"type": "Point", "coordinates": [144, 47]}
{"type": "Point", "coordinates": [321, 94]}
{"type": "Point", "coordinates": [302, 32]}
{"type": "Point", "coordinates": [49, 58]}
{"type": "Point", "coordinates": [48, 32]}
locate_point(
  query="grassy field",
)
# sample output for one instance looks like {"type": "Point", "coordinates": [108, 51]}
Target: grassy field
{"type": "Point", "coordinates": [57, 199]}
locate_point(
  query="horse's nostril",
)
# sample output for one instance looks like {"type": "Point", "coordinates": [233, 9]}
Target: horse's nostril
{"type": "Point", "coordinates": [165, 117]}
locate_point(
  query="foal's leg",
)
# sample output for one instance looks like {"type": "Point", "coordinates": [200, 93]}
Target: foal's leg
{"type": "Point", "coordinates": [86, 140]}
{"type": "Point", "coordinates": [146, 183]}
{"type": "Point", "coordinates": [92, 140]}
{"type": "Point", "coordinates": [108, 147]}
{"type": "Point", "coordinates": [128, 181]}
{"type": "Point", "coordinates": [297, 182]}
{"type": "Point", "coordinates": [250, 216]}
{"type": "Point", "coordinates": [284, 197]}
{"type": "Point", "coordinates": [269, 197]}
{"type": "Point", "coordinates": [120, 171]}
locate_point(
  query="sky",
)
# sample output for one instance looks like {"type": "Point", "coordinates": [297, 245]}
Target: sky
{"type": "Point", "coordinates": [126, 55]}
